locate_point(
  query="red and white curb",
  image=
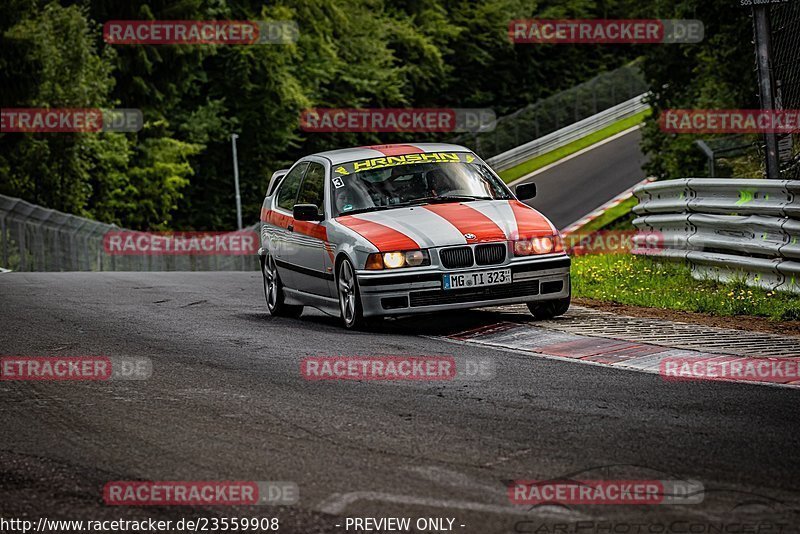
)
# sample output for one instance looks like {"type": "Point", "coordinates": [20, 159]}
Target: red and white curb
{"type": "Point", "coordinates": [620, 354]}
{"type": "Point", "coordinates": [619, 199]}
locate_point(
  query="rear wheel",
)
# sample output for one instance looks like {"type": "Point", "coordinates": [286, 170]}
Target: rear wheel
{"type": "Point", "coordinates": [549, 308]}
{"type": "Point", "coordinates": [349, 296]}
{"type": "Point", "coordinates": [273, 291]}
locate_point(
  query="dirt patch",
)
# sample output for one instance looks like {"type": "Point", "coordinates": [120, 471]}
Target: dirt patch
{"type": "Point", "coordinates": [740, 322]}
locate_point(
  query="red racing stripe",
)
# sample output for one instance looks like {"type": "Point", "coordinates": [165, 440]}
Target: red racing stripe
{"type": "Point", "coordinates": [384, 238]}
{"type": "Point", "coordinates": [469, 221]}
{"type": "Point", "coordinates": [311, 229]}
{"type": "Point", "coordinates": [530, 222]}
{"type": "Point", "coordinates": [396, 150]}
{"type": "Point", "coordinates": [301, 227]}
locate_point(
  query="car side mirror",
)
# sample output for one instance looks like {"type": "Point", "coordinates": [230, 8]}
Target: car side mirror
{"type": "Point", "coordinates": [525, 191]}
{"type": "Point", "coordinates": [306, 212]}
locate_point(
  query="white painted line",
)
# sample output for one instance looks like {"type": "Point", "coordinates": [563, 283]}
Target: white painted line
{"type": "Point", "coordinates": [454, 479]}
{"type": "Point", "coordinates": [576, 154]}
{"type": "Point", "coordinates": [337, 503]}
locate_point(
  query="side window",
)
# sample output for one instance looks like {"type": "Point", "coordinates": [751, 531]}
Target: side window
{"type": "Point", "coordinates": [288, 188]}
{"type": "Point", "coordinates": [313, 189]}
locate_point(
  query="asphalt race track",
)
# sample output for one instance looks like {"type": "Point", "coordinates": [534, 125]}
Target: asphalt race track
{"type": "Point", "coordinates": [577, 186]}
{"type": "Point", "coordinates": [226, 401]}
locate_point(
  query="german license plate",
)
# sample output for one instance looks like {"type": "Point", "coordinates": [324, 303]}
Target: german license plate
{"type": "Point", "coordinates": [478, 279]}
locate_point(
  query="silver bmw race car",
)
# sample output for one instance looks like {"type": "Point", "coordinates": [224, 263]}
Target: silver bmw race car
{"type": "Point", "coordinates": [399, 229]}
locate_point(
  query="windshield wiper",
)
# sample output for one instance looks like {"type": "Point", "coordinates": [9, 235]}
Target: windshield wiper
{"type": "Point", "coordinates": [417, 201]}
{"type": "Point", "coordinates": [446, 198]}
{"type": "Point", "coordinates": [365, 210]}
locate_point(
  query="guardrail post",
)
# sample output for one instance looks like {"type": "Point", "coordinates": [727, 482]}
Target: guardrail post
{"type": "Point", "coordinates": [23, 253]}
{"type": "Point", "coordinates": [5, 241]}
{"type": "Point", "coordinates": [765, 83]}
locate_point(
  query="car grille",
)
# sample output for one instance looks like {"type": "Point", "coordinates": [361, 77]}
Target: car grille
{"type": "Point", "coordinates": [441, 296]}
{"type": "Point", "coordinates": [456, 257]}
{"type": "Point", "coordinates": [490, 254]}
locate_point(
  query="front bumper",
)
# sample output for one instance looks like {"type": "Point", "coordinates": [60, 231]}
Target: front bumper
{"type": "Point", "coordinates": [420, 290]}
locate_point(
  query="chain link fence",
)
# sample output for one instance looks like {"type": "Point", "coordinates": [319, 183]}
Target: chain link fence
{"type": "Point", "coordinates": [557, 111]}
{"type": "Point", "coordinates": [33, 238]}
{"type": "Point", "coordinates": [785, 36]}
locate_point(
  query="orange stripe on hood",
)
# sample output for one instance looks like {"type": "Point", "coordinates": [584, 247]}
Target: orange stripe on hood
{"type": "Point", "coordinates": [384, 238]}
{"type": "Point", "coordinates": [530, 223]}
{"type": "Point", "coordinates": [469, 221]}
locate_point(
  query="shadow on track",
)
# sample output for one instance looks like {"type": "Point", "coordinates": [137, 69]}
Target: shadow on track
{"type": "Point", "coordinates": [433, 324]}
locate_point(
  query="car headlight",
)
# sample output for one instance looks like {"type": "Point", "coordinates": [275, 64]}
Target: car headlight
{"type": "Point", "coordinates": [538, 245]}
{"type": "Point", "coordinates": [395, 260]}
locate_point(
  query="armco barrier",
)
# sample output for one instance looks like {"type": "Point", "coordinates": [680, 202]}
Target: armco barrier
{"type": "Point", "coordinates": [727, 228]}
{"type": "Point", "coordinates": [33, 238]}
{"type": "Point", "coordinates": [557, 111]}
{"type": "Point", "coordinates": [566, 135]}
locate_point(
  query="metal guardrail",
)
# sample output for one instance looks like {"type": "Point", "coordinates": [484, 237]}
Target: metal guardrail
{"type": "Point", "coordinates": [33, 238]}
{"type": "Point", "coordinates": [557, 111]}
{"type": "Point", "coordinates": [568, 134]}
{"type": "Point", "coordinates": [726, 229]}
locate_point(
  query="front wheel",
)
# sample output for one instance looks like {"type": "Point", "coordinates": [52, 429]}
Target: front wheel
{"type": "Point", "coordinates": [273, 291]}
{"type": "Point", "coordinates": [549, 308]}
{"type": "Point", "coordinates": [349, 296]}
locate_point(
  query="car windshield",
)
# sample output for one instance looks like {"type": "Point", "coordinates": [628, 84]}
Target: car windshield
{"type": "Point", "coordinates": [412, 179]}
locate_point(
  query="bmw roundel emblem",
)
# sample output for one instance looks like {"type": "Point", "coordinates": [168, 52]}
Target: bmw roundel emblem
{"type": "Point", "coordinates": [469, 236]}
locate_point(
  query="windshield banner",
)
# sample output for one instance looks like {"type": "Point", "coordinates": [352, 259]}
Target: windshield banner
{"type": "Point", "coordinates": [406, 159]}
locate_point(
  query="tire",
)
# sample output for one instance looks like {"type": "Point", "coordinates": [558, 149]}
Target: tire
{"type": "Point", "coordinates": [349, 296]}
{"type": "Point", "coordinates": [549, 308]}
{"type": "Point", "coordinates": [273, 291]}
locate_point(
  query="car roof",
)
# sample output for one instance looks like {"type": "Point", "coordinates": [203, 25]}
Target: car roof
{"type": "Point", "coordinates": [376, 151]}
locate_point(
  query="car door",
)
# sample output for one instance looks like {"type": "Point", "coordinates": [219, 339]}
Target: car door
{"type": "Point", "coordinates": [312, 261]}
{"type": "Point", "coordinates": [283, 247]}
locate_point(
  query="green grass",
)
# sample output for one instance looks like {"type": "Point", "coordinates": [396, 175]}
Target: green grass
{"type": "Point", "coordinates": [509, 175]}
{"type": "Point", "coordinates": [641, 281]}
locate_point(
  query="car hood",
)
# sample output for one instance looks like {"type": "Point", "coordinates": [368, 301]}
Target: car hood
{"type": "Point", "coordinates": [437, 225]}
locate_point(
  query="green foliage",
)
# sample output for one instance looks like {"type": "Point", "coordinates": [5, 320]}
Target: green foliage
{"type": "Point", "coordinates": [719, 72]}
{"type": "Point", "coordinates": [49, 60]}
{"type": "Point", "coordinates": [177, 171]}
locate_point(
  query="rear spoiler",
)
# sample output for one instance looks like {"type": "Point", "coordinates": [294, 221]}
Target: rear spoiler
{"type": "Point", "coordinates": [276, 178]}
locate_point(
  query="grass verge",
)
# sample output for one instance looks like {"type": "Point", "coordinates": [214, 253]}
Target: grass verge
{"type": "Point", "coordinates": [538, 162]}
{"type": "Point", "coordinates": [642, 281]}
